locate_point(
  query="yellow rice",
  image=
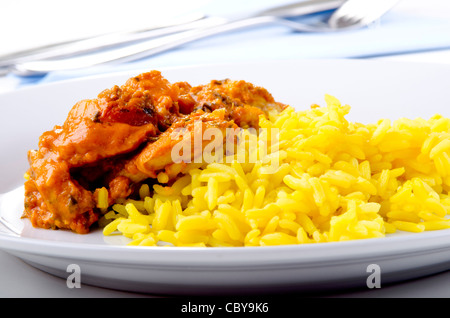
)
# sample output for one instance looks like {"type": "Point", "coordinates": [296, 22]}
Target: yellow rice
{"type": "Point", "coordinates": [336, 180]}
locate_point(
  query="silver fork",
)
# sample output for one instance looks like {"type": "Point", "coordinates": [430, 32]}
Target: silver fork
{"type": "Point", "coordinates": [185, 23]}
{"type": "Point", "coordinates": [351, 15]}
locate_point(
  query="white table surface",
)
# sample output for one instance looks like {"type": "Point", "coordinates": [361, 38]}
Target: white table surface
{"type": "Point", "coordinates": [20, 280]}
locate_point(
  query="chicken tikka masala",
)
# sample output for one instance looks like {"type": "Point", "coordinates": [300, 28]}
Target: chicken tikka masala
{"type": "Point", "coordinates": [122, 138]}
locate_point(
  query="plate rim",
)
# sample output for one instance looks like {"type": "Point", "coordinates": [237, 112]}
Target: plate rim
{"type": "Point", "coordinates": [140, 69]}
{"type": "Point", "coordinates": [301, 254]}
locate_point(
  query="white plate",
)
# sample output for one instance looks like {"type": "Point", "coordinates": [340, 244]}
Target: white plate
{"type": "Point", "coordinates": [374, 89]}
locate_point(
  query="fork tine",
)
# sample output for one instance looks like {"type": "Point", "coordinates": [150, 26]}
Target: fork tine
{"type": "Point", "coordinates": [357, 12]}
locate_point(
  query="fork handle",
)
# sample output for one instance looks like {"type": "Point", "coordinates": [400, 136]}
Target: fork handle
{"type": "Point", "coordinates": [91, 44]}
{"type": "Point", "coordinates": [136, 51]}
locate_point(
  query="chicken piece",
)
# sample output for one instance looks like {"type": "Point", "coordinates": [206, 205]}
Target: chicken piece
{"type": "Point", "coordinates": [244, 101]}
{"type": "Point", "coordinates": [117, 122]}
{"type": "Point", "coordinates": [182, 143]}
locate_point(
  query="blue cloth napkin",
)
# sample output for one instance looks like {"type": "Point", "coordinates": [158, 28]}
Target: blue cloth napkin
{"type": "Point", "coordinates": [399, 31]}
